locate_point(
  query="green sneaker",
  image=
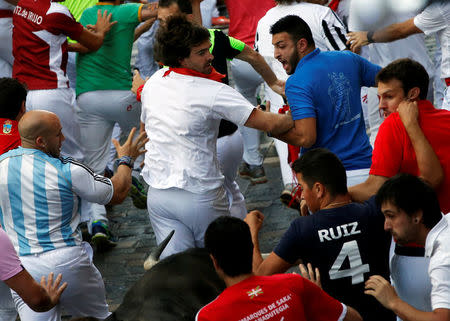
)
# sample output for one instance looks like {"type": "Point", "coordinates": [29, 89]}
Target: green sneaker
{"type": "Point", "coordinates": [138, 194]}
{"type": "Point", "coordinates": [102, 238]}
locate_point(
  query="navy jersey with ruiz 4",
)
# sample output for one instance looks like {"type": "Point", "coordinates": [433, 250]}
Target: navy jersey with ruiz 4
{"type": "Point", "coordinates": [348, 244]}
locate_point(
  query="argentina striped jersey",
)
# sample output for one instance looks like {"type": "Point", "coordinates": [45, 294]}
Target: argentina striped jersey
{"type": "Point", "coordinates": [40, 196]}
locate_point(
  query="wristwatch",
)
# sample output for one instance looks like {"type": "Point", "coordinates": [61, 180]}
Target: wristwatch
{"type": "Point", "coordinates": [125, 160]}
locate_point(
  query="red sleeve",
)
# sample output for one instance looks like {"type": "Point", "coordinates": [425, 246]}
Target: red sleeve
{"type": "Point", "coordinates": [319, 306]}
{"type": "Point", "coordinates": [388, 150]}
{"type": "Point", "coordinates": [61, 23]}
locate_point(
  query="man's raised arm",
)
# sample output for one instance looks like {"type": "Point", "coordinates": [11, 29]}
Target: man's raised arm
{"type": "Point", "coordinates": [430, 168]}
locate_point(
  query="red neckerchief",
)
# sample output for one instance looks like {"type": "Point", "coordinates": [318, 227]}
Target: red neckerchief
{"type": "Point", "coordinates": [214, 75]}
{"type": "Point", "coordinates": [334, 4]}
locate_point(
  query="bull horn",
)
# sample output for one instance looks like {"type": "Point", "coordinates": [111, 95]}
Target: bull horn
{"type": "Point", "coordinates": [153, 258]}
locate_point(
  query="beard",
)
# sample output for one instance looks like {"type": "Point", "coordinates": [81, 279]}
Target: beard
{"type": "Point", "coordinates": [293, 62]}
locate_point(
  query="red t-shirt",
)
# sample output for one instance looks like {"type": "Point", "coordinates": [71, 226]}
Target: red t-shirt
{"type": "Point", "coordinates": [9, 135]}
{"type": "Point", "coordinates": [244, 17]}
{"type": "Point", "coordinates": [40, 36]}
{"type": "Point", "coordinates": [277, 297]}
{"type": "Point", "coordinates": [393, 152]}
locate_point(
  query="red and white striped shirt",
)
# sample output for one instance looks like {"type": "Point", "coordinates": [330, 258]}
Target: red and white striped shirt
{"type": "Point", "coordinates": [41, 28]}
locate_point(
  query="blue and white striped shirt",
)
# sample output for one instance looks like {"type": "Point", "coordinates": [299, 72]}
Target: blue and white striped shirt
{"type": "Point", "coordinates": [39, 199]}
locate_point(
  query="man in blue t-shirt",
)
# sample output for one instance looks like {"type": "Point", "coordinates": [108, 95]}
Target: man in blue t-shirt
{"type": "Point", "coordinates": [324, 95]}
{"type": "Point", "coordinates": [346, 241]}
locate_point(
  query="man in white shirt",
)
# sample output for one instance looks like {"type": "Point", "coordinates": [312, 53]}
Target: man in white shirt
{"type": "Point", "coordinates": [181, 112]}
{"type": "Point", "coordinates": [434, 19]}
{"type": "Point", "coordinates": [412, 214]}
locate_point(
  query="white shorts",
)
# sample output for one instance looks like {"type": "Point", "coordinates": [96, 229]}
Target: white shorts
{"type": "Point", "coordinates": [60, 101]}
{"type": "Point", "coordinates": [187, 213]}
{"type": "Point", "coordinates": [85, 292]}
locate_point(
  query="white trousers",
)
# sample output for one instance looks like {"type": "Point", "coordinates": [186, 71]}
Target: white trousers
{"type": "Point", "coordinates": [7, 308]}
{"type": "Point", "coordinates": [61, 102]}
{"type": "Point", "coordinates": [97, 113]}
{"type": "Point", "coordinates": [71, 69]}
{"type": "Point", "coordinates": [229, 153]}
{"type": "Point", "coordinates": [6, 56]}
{"type": "Point", "coordinates": [189, 214]}
{"type": "Point", "coordinates": [208, 10]}
{"type": "Point", "coordinates": [85, 292]}
{"type": "Point", "coordinates": [247, 81]}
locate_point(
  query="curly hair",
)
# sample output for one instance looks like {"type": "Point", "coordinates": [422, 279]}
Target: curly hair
{"type": "Point", "coordinates": [176, 38]}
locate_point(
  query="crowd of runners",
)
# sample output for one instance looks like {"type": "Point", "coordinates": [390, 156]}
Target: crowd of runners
{"type": "Point", "coordinates": [356, 104]}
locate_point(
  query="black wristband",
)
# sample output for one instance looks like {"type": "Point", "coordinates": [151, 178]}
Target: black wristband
{"type": "Point", "coordinates": [370, 36]}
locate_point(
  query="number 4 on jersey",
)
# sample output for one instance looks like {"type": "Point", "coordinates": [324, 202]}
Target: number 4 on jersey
{"type": "Point", "coordinates": [357, 269]}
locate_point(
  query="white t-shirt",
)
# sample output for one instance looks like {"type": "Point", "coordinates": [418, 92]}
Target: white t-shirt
{"type": "Point", "coordinates": [181, 115]}
{"type": "Point", "coordinates": [327, 29]}
{"type": "Point", "coordinates": [383, 54]}
{"type": "Point", "coordinates": [436, 19]}
{"type": "Point", "coordinates": [437, 248]}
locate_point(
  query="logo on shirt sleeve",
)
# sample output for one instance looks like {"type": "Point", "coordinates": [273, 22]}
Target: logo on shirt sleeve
{"type": "Point", "coordinates": [7, 127]}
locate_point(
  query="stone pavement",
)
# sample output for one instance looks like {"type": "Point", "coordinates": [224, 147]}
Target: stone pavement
{"type": "Point", "coordinates": [123, 265]}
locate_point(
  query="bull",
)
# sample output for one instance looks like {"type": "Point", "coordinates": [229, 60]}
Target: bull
{"type": "Point", "coordinates": [174, 289]}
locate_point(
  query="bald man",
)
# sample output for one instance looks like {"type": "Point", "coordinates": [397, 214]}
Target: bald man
{"type": "Point", "coordinates": [39, 210]}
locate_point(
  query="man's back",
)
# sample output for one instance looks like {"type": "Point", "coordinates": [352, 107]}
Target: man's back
{"type": "Point", "coordinates": [109, 67]}
{"type": "Point", "coordinates": [284, 296]}
{"type": "Point", "coordinates": [34, 204]}
{"type": "Point", "coordinates": [182, 126]}
{"type": "Point", "coordinates": [40, 43]}
{"type": "Point", "coordinates": [326, 86]}
{"type": "Point", "coordinates": [347, 244]}
{"type": "Point", "coordinates": [39, 199]}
